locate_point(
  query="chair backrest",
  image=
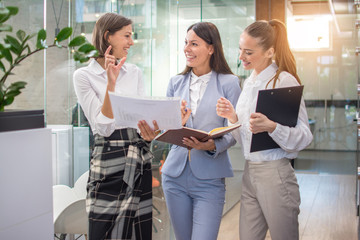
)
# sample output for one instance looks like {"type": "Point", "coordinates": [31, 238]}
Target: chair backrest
{"type": "Point", "coordinates": [80, 185]}
{"type": "Point", "coordinates": [70, 207]}
{"type": "Point", "coordinates": [73, 219]}
{"type": "Point", "coordinates": [63, 196]}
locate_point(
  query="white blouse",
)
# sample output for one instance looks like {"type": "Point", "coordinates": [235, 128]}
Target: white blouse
{"type": "Point", "coordinates": [90, 87]}
{"type": "Point", "coordinates": [290, 139]}
{"type": "Point", "coordinates": [197, 89]}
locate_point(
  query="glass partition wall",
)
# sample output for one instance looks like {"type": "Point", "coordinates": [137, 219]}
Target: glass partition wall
{"type": "Point", "coordinates": [323, 37]}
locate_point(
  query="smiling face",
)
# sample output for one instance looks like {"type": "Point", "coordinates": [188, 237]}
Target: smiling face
{"type": "Point", "coordinates": [197, 53]}
{"type": "Point", "coordinates": [121, 41]}
{"type": "Point", "coordinates": [252, 55]}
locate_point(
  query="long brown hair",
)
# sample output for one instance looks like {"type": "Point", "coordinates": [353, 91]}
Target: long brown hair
{"type": "Point", "coordinates": [273, 34]}
{"type": "Point", "coordinates": [209, 33]}
{"type": "Point", "coordinates": [111, 22]}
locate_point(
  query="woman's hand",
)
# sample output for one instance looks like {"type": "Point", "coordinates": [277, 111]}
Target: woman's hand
{"type": "Point", "coordinates": [185, 112]}
{"type": "Point", "coordinates": [146, 132]}
{"type": "Point", "coordinates": [225, 109]}
{"type": "Point", "coordinates": [260, 123]}
{"type": "Point", "coordinates": [112, 69]}
{"type": "Point", "coordinates": [192, 142]}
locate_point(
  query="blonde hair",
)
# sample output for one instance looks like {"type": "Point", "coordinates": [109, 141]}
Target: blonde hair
{"type": "Point", "coordinates": [110, 23]}
{"type": "Point", "coordinates": [273, 34]}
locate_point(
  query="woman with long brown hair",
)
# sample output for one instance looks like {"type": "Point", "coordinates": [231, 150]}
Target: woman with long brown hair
{"type": "Point", "coordinates": [270, 197]}
{"type": "Point", "coordinates": [193, 180]}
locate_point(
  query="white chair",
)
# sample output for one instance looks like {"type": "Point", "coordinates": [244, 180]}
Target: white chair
{"type": "Point", "coordinates": [70, 215]}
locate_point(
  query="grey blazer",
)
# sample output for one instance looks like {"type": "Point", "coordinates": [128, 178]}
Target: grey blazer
{"type": "Point", "coordinates": [204, 165]}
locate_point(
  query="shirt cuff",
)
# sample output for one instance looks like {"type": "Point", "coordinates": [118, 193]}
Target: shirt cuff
{"type": "Point", "coordinates": [276, 131]}
{"type": "Point", "coordinates": [231, 124]}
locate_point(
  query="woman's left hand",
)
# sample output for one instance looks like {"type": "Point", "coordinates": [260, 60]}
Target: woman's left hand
{"type": "Point", "coordinates": [146, 132]}
{"type": "Point", "coordinates": [192, 142]}
{"type": "Point", "coordinates": [260, 123]}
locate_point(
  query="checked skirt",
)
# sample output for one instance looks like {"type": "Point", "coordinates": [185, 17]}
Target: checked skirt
{"type": "Point", "coordinates": [119, 198]}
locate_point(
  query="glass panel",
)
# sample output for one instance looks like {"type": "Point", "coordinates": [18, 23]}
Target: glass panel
{"type": "Point", "coordinates": [327, 67]}
{"type": "Point", "coordinates": [30, 19]}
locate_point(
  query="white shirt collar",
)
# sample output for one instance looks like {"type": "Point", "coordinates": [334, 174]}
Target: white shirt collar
{"type": "Point", "coordinates": [205, 78]}
{"type": "Point", "coordinates": [264, 74]}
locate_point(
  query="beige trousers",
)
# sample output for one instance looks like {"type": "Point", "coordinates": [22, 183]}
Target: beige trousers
{"type": "Point", "coordinates": [270, 199]}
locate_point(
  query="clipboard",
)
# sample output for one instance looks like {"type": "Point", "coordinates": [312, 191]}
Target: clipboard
{"type": "Point", "coordinates": [280, 105]}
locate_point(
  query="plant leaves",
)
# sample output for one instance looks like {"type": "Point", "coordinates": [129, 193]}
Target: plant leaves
{"type": "Point", "coordinates": [4, 14]}
{"type": "Point", "coordinates": [77, 41]}
{"type": "Point", "coordinates": [41, 38]}
{"type": "Point", "coordinates": [2, 67]}
{"type": "Point", "coordinates": [93, 53]}
{"type": "Point", "coordinates": [77, 56]}
{"type": "Point", "coordinates": [5, 28]}
{"type": "Point", "coordinates": [17, 85]}
{"type": "Point", "coordinates": [6, 53]}
{"type": "Point", "coordinates": [86, 48]}
{"type": "Point", "coordinates": [84, 59]}
{"type": "Point", "coordinates": [8, 100]}
{"type": "Point", "coordinates": [21, 35]}
{"type": "Point", "coordinates": [16, 46]}
{"type": "Point", "coordinates": [65, 33]}
{"type": "Point", "coordinates": [12, 93]}
{"type": "Point", "coordinates": [7, 12]}
{"type": "Point", "coordinates": [4, 11]}
{"type": "Point", "coordinates": [13, 10]}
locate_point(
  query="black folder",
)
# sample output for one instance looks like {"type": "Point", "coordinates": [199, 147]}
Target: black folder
{"type": "Point", "coordinates": [280, 105]}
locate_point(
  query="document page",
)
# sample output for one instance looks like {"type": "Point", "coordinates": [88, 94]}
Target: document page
{"type": "Point", "coordinates": [129, 110]}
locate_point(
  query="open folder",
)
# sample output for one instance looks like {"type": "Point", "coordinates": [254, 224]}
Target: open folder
{"type": "Point", "coordinates": [175, 136]}
{"type": "Point", "coordinates": [280, 105]}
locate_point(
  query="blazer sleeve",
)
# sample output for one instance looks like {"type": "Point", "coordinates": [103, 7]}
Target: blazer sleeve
{"type": "Point", "coordinates": [232, 92]}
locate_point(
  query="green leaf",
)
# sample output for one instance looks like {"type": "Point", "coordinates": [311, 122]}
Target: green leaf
{"type": "Point", "coordinates": [8, 100]}
{"type": "Point", "coordinates": [18, 85]}
{"type": "Point", "coordinates": [13, 10]}
{"type": "Point", "coordinates": [41, 38]}
{"type": "Point", "coordinates": [13, 93]}
{"type": "Point", "coordinates": [5, 28]}
{"type": "Point", "coordinates": [4, 14]}
{"type": "Point", "coordinates": [86, 48]}
{"type": "Point", "coordinates": [21, 35]}
{"type": "Point", "coordinates": [14, 43]}
{"type": "Point", "coordinates": [6, 53]}
{"type": "Point", "coordinates": [77, 56]}
{"type": "Point", "coordinates": [2, 67]}
{"type": "Point", "coordinates": [4, 11]}
{"type": "Point", "coordinates": [77, 41]}
{"type": "Point", "coordinates": [84, 59]}
{"type": "Point", "coordinates": [93, 53]}
{"type": "Point", "coordinates": [65, 33]}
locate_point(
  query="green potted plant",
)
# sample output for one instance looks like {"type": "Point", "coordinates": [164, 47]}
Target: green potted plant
{"type": "Point", "coordinates": [14, 49]}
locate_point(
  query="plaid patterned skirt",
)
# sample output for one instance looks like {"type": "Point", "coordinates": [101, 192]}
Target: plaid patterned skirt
{"type": "Point", "coordinates": [119, 199]}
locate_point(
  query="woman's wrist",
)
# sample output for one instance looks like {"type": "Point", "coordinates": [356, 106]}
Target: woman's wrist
{"type": "Point", "coordinates": [110, 88]}
{"type": "Point", "coordinates": [233, 119]}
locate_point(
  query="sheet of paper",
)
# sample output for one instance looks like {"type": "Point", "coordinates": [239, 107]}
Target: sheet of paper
{"type": "Point", "coordinates": [129, 110]}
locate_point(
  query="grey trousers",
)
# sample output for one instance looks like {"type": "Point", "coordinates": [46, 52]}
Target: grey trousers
{"type": "Point", "coordinates": [270, 199]}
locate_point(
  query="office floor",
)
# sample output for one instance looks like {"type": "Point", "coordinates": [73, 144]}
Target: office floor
{"type": "Point", "coordinates": [327, 183]}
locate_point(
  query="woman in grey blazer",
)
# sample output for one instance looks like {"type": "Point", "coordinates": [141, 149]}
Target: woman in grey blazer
{"type": "Point", "coordinates": [193, 180]}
